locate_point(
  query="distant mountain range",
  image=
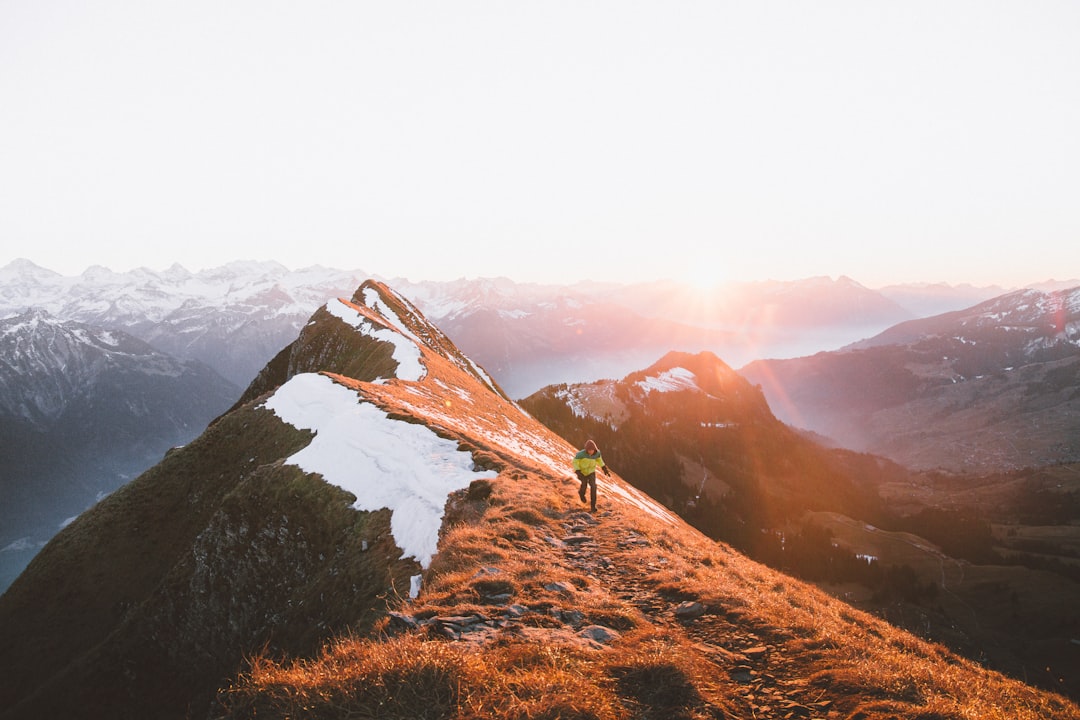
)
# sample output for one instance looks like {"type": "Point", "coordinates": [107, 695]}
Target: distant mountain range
{"type": "Point", "coordinates": [233, 318]}
{"type": "Point", "coordinates": [990, 388]}
{"type": "Point", "coordinates": [82, 411]}
{"type": "Point", "coordinates": [236, 317]}
{"type": "Point", "coordinates": [530, 336]}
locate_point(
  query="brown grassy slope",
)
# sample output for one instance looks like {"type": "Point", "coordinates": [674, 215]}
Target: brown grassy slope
{"type": "Point", "coordinates": [533, 609]}
{"type": "Point", "coordinates": [149, 602]}
{"type": "Point", "coordinates": [523, 579]}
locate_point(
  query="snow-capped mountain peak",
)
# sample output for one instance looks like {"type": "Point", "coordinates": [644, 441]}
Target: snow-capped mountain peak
{"type": "Point", "coordinates": [232, 317]}
{"type": "Point", "coordinates": [45, 363]}
{"type": "Point", "coordinates": [24, 270]}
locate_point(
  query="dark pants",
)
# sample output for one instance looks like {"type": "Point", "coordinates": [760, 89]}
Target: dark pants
{"type": "Point", "coordinates": [590, 482]}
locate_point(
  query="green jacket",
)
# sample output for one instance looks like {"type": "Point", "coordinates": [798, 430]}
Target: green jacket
{"type": "Point", "coordinates": [587, 464]}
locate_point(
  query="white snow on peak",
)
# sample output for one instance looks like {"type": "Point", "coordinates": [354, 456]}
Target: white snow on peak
{"type": "Point", "coordinates": [385, 463]}
{"type": "Point", "coordinates": [265, 289]}
{"type": "Point", "coordinates": [373, 300]}
{"type": "Point", "coordinates": [670, 380]}
{"type": "Point", "coordinates": [406, 350]}
{"type": "Point", "coordinates": [546, 452]}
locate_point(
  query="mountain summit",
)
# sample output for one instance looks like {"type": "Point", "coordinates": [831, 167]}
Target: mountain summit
{"type": "Point", "coordinates": [377, 510]}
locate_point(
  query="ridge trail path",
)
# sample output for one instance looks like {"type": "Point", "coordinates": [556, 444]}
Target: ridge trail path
{"type": "Point", "coordinates": [768, 682]}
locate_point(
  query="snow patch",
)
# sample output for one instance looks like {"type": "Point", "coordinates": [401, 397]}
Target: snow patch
{"type": "Point", "coordinates": [573, 402]}
{"type": "Point", "coordinates": [23, 544]}
{"type": "Point", "coordinates": [505, 432]}
{"type": "Point", "coordinates": [633, 496]}
{"type": "Point", "coordinates": [373, 300]}
{"type": "Point", "coordinates": [385, 463]}
{"type": "Point", "coordinates": [406, 350]}
{"type": "Point", "coordinates": [670, 381]}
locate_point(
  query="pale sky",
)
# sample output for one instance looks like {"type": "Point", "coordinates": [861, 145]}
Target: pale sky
{"type": "Point", "coordinates": [546, 141]}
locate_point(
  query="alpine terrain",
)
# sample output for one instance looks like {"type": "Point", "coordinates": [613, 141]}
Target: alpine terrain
{"type": "Point", "coordinates": [82, 411]}
{"type": "Point", "coordinates": [375, 530]}
{"type": "Point", "coordinates": [233, 318]}
{"type": "Point", "coordinates": [994, 387]}
{"type": "Point", "coordinates": [238, 316]}
{"type": "Point", "coordinates": [696, 435]}
{"type": "Point", "coordinates": [986, 565]}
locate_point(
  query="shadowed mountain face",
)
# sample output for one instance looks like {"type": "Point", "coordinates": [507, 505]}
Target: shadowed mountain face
{"type": "Point", "coordinates": [82, 411]}
{"type": "Point", "coordinates": [693, 433]}
{"type": "Point", "coordinates": [991, 388]}
{"type": "Point", "coordinates": [374, 482]}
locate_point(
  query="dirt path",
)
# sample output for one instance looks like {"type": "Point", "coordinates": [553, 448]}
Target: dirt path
{"type": "Point", "coordinates": [769, 682]}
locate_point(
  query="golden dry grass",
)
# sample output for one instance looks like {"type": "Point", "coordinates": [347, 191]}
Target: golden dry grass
{"type": "Point", "coordinates": [867, 668]}
{"type": "Point", "coordinates": [409, 677]}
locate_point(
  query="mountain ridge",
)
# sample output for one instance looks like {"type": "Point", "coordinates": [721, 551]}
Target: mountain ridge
{"type": "Point", "coordinates": [153, 601]}
{"type": "Point", "coordinates": [230, 548]}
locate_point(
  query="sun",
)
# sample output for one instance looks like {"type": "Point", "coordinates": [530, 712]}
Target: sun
{"type": "Point", "coordinates": [703, 276]}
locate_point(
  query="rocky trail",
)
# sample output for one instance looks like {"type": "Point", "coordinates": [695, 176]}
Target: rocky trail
{"type": "Point", "coordinates": [767, 682]}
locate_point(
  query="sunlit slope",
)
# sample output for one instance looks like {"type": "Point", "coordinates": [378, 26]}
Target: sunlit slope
{"type": "Point", "coordinates": [154, 597]}
{"type": "Point", "coordinates": [258, 540]}
{"type": "Point", "coordinates": [535, 608]}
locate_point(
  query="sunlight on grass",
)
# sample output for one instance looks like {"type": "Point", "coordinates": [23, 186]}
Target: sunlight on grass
{"type": "Point", "coordinates": [503, 551]}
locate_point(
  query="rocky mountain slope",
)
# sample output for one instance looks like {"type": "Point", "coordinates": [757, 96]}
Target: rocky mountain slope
{"type": "Point", "coordinates": [83, 410]}
{"type": "Point", "coordinates": [694, 434]}
{"type": "Point", "coordinates": [917, 548]}
{"type": "Point", "coordinates": [376, 509]}
{"type": "Point", "coordinates": [990, 388]}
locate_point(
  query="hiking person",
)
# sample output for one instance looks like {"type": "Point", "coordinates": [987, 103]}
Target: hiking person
{"type": "Point", "coordinates": [586, 463]}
